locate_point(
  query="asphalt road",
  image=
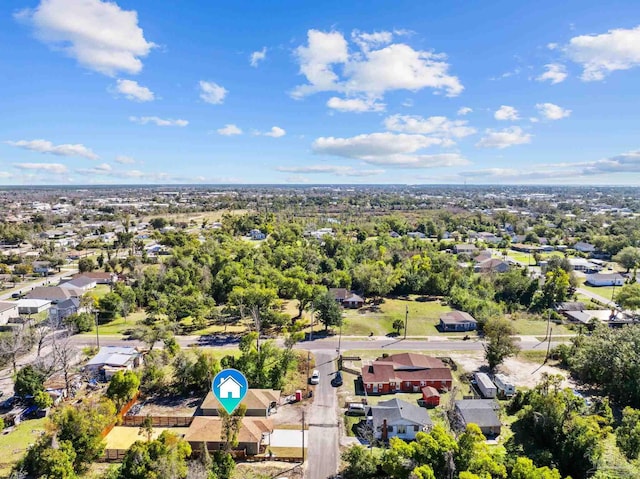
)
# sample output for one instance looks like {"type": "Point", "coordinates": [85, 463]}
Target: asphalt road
{"type": "Point", "coordinates": [324, 434]}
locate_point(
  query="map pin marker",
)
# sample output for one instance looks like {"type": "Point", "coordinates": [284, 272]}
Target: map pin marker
{"type": "Point", "coordinates": [230, 387]}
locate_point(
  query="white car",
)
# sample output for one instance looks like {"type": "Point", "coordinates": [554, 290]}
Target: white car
{"type": "Point", "coordinates": [315, 377]}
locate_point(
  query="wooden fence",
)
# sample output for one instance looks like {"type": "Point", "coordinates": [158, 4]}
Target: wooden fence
{"type": "Point", "coordinates": [113, 455]}
{"type": "Point", "coordinates": [124, 410]}
{"type": "Point", "coordinates": [159, 421]}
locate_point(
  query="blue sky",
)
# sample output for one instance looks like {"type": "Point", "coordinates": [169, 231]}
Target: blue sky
{"type": "Point", "coordinates": [147, 91]}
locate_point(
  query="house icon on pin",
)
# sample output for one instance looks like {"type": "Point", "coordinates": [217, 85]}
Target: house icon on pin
{"type": "Point", "coordinates": [229, 388]}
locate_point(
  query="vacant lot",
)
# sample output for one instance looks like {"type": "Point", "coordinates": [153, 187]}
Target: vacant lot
{"type": "Point", "coordinates": [122, 437]}
{"type": "Point", "coordinates": [424, 315]}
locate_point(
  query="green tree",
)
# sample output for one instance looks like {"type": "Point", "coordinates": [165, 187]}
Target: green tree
{"type": "Point", "coordinates": [122, 387]}
{"type": "Point", "coordinates": [231, 424]}
{"type": "Point", "coordinates": [525, 469]}
{"type": "Point", "coordinates": [222, 465]}
{"type": "Point", "coordinates": [28, 381]}
{"type": "Point", "coordinates": [361, 464]}
{"type": "Point", "coordinates": [628, 297]}
{"type": "Point", "coordinates": [555, 288]}
{"type": "Point", "coordinates": [423, 472]}
{"type": "Point", "coordinates": [42, 399]}
{"type": "Point", "coordinates": [500, 342]}
{"type": "Point", "coordinates": [42, 460]}
{"type": "Point", "coordinates": [628, 433]}
{"type": "Point", "coordinates": [80, 322]}
{"type": "Point", "coordinates": [398, 325]}
{"type": "Point", "coordinates": [628, 257]}
{"type": "Point", "coordinates": [86, 265]}
{"type": "Point", "coordinates": [109, 306]}
{"type": "Point", "coordinates": [328, 310]}
{"type": "Point", "coordinates": [146, 427]}
{"type": "Point", "coordinates": [474, 455]}
{"type": "Point", "coordinates": [164, 457]}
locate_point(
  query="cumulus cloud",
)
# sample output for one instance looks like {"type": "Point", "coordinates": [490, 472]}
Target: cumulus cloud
{"type": "Point", "coordinates": [229, 130]}
{"type": "Point", "coordinates": [98, 34]}
{"type": "Point", "coordinates": [434, 125]}
{"type": "Point", "coordinates": [356, 105]}
{"type": "Point", "coordinates": [133, 91]}
{"type": "Point", "coordinates": [330, 169]}
{"type": "Point", "coordinates": [506, 112]}
{"type": "Point", "coordinates": [505, 138]}
{"type": "Point", "coordinates": [554, 73]}
{"type": "Point", "coordinates": [275, 132]}
{"type": "Point", "coordinates": [464, 111]}
{"type": "Point", "coordinates": [599, 55]}
{"type": "Point", "coordinates": [53, 168]}
{"type": "Point", "coordinates": [378, 67]}
{"type": "Point", "coordinates": [125, 160]}
{"type": "Point", "coordinates": [44, 146]}
{"type": "Point", "coordinates": [552, 112]}
{"type": "Point", "coordinates": [397, 150]}
{"type": "Point", "coordinates": [143, 120]}
{"type": "Point", "coordinates": [256, 57]}
{"type": "Point", "coordinates": [212, 93]}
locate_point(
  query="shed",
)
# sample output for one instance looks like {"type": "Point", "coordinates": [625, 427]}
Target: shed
{"type": "Point", "coordinates": [430, 396]}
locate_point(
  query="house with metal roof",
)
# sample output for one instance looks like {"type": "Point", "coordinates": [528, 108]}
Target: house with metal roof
{"type": "Point", "coordinates": [111, 359]}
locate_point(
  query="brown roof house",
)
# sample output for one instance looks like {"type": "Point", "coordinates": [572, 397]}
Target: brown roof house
{"type": "Point", "coordinates": [100, 277]}
{"type": "Point", "coordinates": [252, 436]}
{"type": "Point", "coordinates": [259, 403]}
{"type": "Point", "coordinates": [406, 372]}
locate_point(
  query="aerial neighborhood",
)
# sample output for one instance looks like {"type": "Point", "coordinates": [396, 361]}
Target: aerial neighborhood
{"type": "Point", "coordinates": [371, 326]}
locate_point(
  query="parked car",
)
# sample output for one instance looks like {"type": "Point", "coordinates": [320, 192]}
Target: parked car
{"type": "Point", "coordinates": [315, 377]}
{"type": "Point", "coordinates": [356, 409]}
{"type": "Point", "coordinates": [337, 380]}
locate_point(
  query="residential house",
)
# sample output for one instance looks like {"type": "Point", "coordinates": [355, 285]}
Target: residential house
{"type": "Point", "coordinates": [111, 359]}
{"type": "Point", "coordinates": [33, 306]}
{"type": "Point", "coordinates": [339, 294]}
{"type": "Point", "coordinates": [489, 238]}
{"type": "Point", "coordinates": [455, 321]}
{"type": "Point", "coordinates": [259, 403]}
{"type": "Point", "coordinates": [465, 248]}
{"type": "Point", "coordinates": [506, 387]}
{"type": "Point", "coordinates": [55, 294]}
{"type": "Point", "coordinates": [251, 438]}
{"type": "Point", "coordinates": [605, 279]}
{"type": "Point", "coordinates": [256, 235]}
{"type": "Point", "coordinates": [584, 247]}
{"type": "Point", "coordinates": [63, 309]}
{"type": "Point", "coordinates": [8, 310]}
{"type": "Point", "coordinates": [570, 306]}
{"type": "Point", "coordinates": [405, 372]}
{"type": "Point", "coordinates": [397, 418]}
{"type": "Point", "coordinates": [581, 264]}
{"type": "Point", "coordinates": [430, 396]}
{"type": "Point", "coordinates": [493, 265]}
{"type": "Point", "coordinates": [353, 301]}
{"type": "Point", "coordinates": [42, 268]}
{"type": "Point", "coordinates": [417, 235]}
{"type": "Point", "coordinates": [100, 277]}
{"type": "Point", "coordinates": [483, 412]}
{"type": "Point", "coordinates": [482, 256]}
{"type": "Point", "coordinates": [80, 283]}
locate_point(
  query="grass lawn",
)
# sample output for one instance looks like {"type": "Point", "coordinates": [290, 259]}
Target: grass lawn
{"type": "Point", "coordinates": [14, 443]}
{"type": "Point", "coordinates": [538, 327]}
{"type": "Point", "coordinates": [606, 292]}
{"type": "Point", "coordinates": [423, 317]}
{"type": "Point", "coordinates": [119, 325]}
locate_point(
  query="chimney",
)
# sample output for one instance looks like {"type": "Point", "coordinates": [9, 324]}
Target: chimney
{"type": "Point", "coordinates": [385, 435]}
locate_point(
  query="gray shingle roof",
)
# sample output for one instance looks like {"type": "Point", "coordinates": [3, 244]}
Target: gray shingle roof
{"type": "Point", "coordinates": [394, 410]}
{"type": "Point", "coordinates": [479, 411]}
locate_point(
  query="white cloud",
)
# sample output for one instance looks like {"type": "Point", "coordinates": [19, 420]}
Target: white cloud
{"type": "Point", "coordinates": [464, 111]}
{"type": "Point", "coordinates": [434, 125]}
{"type": "Point", "coordinates": [357, 105]}
{"type": "Point", "coordinates": [133, 91]}
{"type": "Point", "coordinates": [54, 168]}
{"type": "Point", "coordinates": [44, 146]}
{"type": "Point", "coordinates": [297, 179]}
{"type": "Point", "coordinates": [256, 57]}
{"type": "Point", "coordinates": [506, 112]}
{"type": "Point", "coordinates": [275, 132]}
{"type": "Point", "coordinates": [125, 160]}
{"type": "Point", "coordinates": [99, 35]}
{"type": "Point", "coordinates": [552, 112]}
{"type": "Point", "coordinates": [533, 119]}
{"type": "Point", "coordinates": [599, 55]}
{"type": "Point", "coordinates": [229, 130]}
{"type": "Point", "coordinates": [212, 93]}
{"type": "Point", "coordinates": [102, 169]}
{"type": "Point", "coordinates": [370, 72]}
{"type": "Point", "coordinates": [555, 73]}
{"type": "Point", "coordinates": [143, 120]}
{"type": "Point", "coordinates": [396, 150]}
{"type": "Point", "coordinates": [511, 136]}
{"type": "Point", "coordinates": [552, 46]}
{"type": "Point", "coordinates": [330, 169]}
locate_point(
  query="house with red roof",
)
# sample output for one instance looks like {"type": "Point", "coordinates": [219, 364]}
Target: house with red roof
{"type": "Point", "coordinates": [405, 372]}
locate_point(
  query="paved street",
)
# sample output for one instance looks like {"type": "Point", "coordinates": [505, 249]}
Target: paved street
{"type": "Point", "coordinates": [324, 432]}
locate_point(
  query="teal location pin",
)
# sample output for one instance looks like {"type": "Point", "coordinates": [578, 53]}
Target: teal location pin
{"type": "Point", "coordinates": [230, 387]}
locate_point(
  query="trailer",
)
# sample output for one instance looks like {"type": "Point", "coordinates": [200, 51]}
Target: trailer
{"type": "Point", "coordinates": [506, 387]}
{"type": "Point", "coordinates": [486, 386]}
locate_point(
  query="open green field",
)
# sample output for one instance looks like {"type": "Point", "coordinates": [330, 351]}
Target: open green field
{"type": "Point", "coordinates": [119, 325]}
{"type": "Point", "coordinates": [14, 443]}
{"type": "Point", "coordinates": [607, 292]}
{"type": "Point", "coordinates": [210, 216]}
{"type": "Point", "coordinates": [423, 317]}
{"type": "Point", "coordinates": [538, 327]}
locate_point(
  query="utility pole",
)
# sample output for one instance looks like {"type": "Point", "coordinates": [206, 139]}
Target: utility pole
{"type": "Point", "coordinates": [308, 361]}
{"type": "Point", "coordinates": [97, 332]}
{"type": "Point", "coordinates": [549, 344]}
{"type": "Point", "coordinates": [340, 337]}
{"type": "Point", "coordinates": [406, 320]}
{"type": "Point", "coordinates": [302, 437]}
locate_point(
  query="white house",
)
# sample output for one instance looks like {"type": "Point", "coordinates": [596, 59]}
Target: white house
{"type": "Point", "coordinates": [605, 279]}
{"type": "Point", "coordinates": [8, 310]}
{"type": "Point", "coordinates": [397, 418]}
{"type": "Point", "coordinates": [33, 306]}
{"type": "Point", "coordinates": [80, 283]}
{"type": "Point", "coordinates": [229, 388]}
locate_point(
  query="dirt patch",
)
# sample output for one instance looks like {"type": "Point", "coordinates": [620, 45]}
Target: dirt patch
{"type": "Point", "coordinates": [524, 373]}
{"type": "Point", "coordinates": [158, 406]}
{"type": "Point", "coordinates": [291, 414]}
{"type": "Point", "coordinates": [267, 469]}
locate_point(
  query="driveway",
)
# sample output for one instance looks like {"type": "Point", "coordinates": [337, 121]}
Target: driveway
{"type": "Point", "coordinates": [288, 438]}
{"type": "Point", "coordinates": [323, 453]}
